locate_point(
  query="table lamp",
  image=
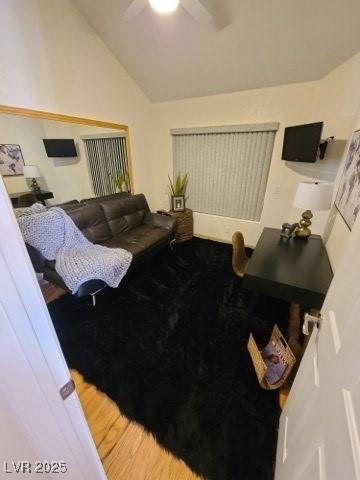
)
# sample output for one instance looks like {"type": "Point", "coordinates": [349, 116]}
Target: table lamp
{"type": "Point", "coordinates": [311, 195]}
{"type": "Point", "coordinates": [32, 171]}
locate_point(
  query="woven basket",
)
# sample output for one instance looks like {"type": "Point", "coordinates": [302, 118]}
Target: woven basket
{"type": "Point", "coordinates": [185, 225]}
{"type": "Point", "coordinates": [260, 365]}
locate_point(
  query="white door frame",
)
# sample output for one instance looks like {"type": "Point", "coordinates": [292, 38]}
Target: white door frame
{"type": "Point", "coordinates": [55, 428]}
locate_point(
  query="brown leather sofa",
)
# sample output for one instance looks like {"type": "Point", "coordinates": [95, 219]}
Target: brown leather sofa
{"type": "Point", "coordinates": [120, 221]}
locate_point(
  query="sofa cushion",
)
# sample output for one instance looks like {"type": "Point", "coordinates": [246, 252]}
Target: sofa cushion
{"type": "Point", "coordinates": [70, 205]}
{"type": "Point", "coordinates": [125, 213]}
{"type": "Point", "coordinates": [113, 196]}
{"type": "Point", "coordinates": [91, 221]}
{"type": "Point", "coordinates": [68, 202]}
{"type": "Point", "coordinates": [139, 239]}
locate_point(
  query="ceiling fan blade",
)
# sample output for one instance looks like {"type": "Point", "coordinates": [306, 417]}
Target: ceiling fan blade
{"type": "Point", "coordinates": [215, 16]}
{"type": "Point", "coordinates": [198, 11]}
{"type": "Point", "coordinates": [135, 7]}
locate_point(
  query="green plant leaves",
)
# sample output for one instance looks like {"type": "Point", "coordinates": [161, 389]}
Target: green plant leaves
{"type": "Point", "coordinates": [122, 178]}
{"type": "Point", "coordinates": [178, 187]}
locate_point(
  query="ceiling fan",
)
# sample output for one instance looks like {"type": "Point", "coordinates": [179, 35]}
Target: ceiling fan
{"type": "Point", "coordinates": [194, 7]}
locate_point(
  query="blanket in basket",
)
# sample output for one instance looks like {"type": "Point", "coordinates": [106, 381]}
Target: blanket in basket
{"type": "Point", "coordinates": [77, 260]}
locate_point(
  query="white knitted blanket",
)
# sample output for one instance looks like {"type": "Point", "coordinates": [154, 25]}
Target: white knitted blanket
{"type": "Point", "coordinates": [77, 260]}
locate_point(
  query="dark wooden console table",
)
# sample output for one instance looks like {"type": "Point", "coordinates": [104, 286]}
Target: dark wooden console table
{"type": "Point", "coordinates": [296, 270]}
{"type": "Point", "coordinates": [41, 196]}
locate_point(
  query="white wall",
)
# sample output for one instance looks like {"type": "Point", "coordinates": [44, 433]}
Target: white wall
{"type": "Point", "coordinates": [52, 60]}
{"type": "Point", "coordinates": [70, 177]}
{"type": "Point", "coordinates": [338, 100]}
{"type": "Point", "coordinates": [334, 99]}
{"type": "Point", "coordinates": [339, 233]}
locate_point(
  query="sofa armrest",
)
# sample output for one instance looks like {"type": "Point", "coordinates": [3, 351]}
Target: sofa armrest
{"type": "Point", "coordinates": [36, 258]}
{"type": "Point", "coordinates": [163, 221]}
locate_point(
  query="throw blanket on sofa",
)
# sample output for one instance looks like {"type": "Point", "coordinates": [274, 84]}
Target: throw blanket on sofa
{"type": "Point", "coordinates": [77, 260]}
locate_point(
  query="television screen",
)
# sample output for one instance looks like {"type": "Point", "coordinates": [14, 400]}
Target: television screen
{"type": "Point", "coordinates": [301, 143]}
{"type": "Point", "coordinates": [60, 147]}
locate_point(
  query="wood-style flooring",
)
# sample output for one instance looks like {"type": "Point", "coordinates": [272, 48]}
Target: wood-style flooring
{"type": "Point", "coordinates": [126, 450]}
{"type": "Point", "coordinates": [51, 292]}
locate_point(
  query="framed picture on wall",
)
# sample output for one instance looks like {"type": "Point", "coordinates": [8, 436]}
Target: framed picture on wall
{"type": "Point", "coordinates": [11, 160]}
{"type": "Point", "coordinates": [348, 196]}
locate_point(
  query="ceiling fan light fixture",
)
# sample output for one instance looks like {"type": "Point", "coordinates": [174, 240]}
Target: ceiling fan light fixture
{"type": "Point", "coordinates": [164, 6]}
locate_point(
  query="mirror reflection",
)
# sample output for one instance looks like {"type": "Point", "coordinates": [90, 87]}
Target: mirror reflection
{"type": "Point", "coordinates": [56, 162]}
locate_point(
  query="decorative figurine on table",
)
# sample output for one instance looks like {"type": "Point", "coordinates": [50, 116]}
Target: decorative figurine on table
{"type": "Point", "coordinates": [303, 230]}
{"type": "Point", "coordinates": [288, 230]}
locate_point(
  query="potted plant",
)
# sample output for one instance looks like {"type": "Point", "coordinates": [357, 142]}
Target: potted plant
{"type": "Point", "coordinates": [178, 191]}
{"type": "Point", "coordinates": [122, 181]}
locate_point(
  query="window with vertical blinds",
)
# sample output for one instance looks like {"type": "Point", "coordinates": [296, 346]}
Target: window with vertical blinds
{"type": "Point", "coordinates": [228, 167]}
{"type": "Point", "coordinates": [107, 157]}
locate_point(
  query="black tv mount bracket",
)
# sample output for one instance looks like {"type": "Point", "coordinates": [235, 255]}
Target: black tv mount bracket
{"type": "Point", "coordinates": [323, 146]}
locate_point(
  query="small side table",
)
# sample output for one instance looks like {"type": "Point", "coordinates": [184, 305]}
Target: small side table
{"type": "Point", "coordinates": [41, 196]}
{"type": "Point", "coordinates": [185, 225]}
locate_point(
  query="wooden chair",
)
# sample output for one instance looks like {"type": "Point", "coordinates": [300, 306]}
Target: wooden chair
{"type": "Point", "coordinates": [26, 200]}
{"type": "Point", "coordinates": [239, 257]}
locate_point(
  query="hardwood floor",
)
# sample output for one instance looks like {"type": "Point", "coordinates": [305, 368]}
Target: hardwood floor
{"type": "Point", "coordinates": [51, 292]}
{"type": "Point", "coordinates": [126, 450]}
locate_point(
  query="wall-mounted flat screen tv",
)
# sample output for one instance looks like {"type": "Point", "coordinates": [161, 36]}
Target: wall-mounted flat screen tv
{"type": "Point", "coordinates": [60, 147]}
{"type": "Point", "coordinates": [301, 143]}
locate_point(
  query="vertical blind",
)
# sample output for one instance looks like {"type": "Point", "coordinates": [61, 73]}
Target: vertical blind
{"type": "Point", "coordinates": [228, 167]}
{"type": "Point", "coordinates": [107, 157]}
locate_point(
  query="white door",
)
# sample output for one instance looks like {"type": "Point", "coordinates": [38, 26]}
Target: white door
{"type": "Point", "coordinates": [36, 424]}
{"type": "Point", "coordinates": [319, 427]}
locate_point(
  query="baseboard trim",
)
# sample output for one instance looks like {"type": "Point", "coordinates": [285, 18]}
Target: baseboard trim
{"type": "Point", "coordinates": [220, 240]}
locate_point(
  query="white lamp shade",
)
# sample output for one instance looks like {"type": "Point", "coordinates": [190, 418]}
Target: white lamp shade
{"type": "Point", "coordinates": [313, 196]}
{"type": "Point", "coordinates": [31, 171]}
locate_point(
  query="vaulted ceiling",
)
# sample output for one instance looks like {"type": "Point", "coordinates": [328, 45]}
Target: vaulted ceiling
{"type": "Point", "coordinates": [264, 44]}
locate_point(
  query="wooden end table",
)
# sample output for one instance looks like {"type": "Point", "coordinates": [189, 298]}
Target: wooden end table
{"type": "Point", "coordinates": [185, 225]}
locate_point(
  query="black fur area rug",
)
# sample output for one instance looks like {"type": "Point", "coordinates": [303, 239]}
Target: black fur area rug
{"type": "Point", "coordinates": [169, 347]}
